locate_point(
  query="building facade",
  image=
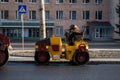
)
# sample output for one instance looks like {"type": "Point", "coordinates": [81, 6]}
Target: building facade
{"type": "Point", "coordinates": [11, 24]}
{"type": "Point", "coordinates": [59, 15]}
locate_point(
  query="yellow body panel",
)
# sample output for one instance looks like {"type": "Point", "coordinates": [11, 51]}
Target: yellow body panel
{"type": "Point", "coordinates": [70, 50]}
{"type": "Point", "coordinates": [55, 54]}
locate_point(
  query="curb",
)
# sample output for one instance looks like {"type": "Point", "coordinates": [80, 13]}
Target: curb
{"type": "Point", "coordinates": [89, 63]}
{"type": "Point", "coordinates": [96, 61]}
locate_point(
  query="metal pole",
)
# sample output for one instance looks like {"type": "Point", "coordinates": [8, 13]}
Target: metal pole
{"type": "Point", "coordinates": [42, 19]}
{"type": "Point", "coordinates": [22, 20]}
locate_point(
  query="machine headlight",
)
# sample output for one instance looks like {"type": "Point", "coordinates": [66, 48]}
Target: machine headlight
{"type": "Point", "coordinates": [36, 46]}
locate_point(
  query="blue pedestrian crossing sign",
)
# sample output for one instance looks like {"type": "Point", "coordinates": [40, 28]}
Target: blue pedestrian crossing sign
{"type": "Point", "coordinates": [22, 9]}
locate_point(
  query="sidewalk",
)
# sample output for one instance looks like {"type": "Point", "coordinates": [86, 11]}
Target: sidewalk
{"type": "Point", "coordinates": [94, 53]}
{"type": "Point", "coordinates": [96, 56]}
{"type": "Point", "coordinates": [113, 42]}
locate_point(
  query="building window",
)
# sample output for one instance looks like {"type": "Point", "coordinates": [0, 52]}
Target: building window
{"type": "Point", "coordinates": [47, 15]}
{"type": "Point", "coordinates": [4, 1]}
{"type": "Point", "coordinates": [32, 1]}
{"type": "Point", "coordinates": [59, 1]}
{"type": "Point", "coordinates": [98, 15]}
{"type": "Point", "coordinates": [73, 1]}
{"type": "Point", "coordinates": [87, 30]}
{"type": "Point", "coordinates": [72, 15]}
{"type": "Point", "coordinates": [4, 14]}
{"type": "Point", "coordinates": [47, 1]}
{"type": "Point", "coordinates": [59, 31]}
{"type": "Point", "coordinates": [18, 16]}
{"type": "Point", "coordinates": [86, 1]}
{"type": "Point", "coordinates": [98, 1]}
{"type": "Point", "coordinates": [102, 33]}
{"type": "Point", "coordinates": [32, 15]}
{"type": "Point", "coordinates": [49, 32]}
{"type": "Point", "coordinates": [86, 15]}
{"type": "Point", "coordinates": [19, 1]}
{"type": "Point", "coordinates": [59, 15]}
{"type": "Point", "coordinates": [33, 32]}
{"type": "Point", "coordinates": [13, 33]}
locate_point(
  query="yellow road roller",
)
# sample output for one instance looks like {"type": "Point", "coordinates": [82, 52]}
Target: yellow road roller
{"type": "Point", "coordinates": [54, 49]}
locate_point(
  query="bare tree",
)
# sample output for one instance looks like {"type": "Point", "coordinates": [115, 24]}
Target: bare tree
{"type": "Point", "coordinates": [118, 12]}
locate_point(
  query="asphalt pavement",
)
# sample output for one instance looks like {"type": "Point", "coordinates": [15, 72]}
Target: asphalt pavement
{"type": "Point", "coordinates": [54, 71]}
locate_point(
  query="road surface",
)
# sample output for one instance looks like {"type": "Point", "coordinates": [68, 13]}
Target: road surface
{"type": "Point", "coordinates": [31, 71]}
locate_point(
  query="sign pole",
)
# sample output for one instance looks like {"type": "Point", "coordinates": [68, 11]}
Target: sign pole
{"type": "Point", "coordinates": [22, 20]}
{"type": "Point", "coordinates": [22, 9]}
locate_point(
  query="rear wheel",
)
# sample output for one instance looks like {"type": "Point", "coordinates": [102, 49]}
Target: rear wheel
{"type": "Point", "coordinates": [4, 55]}
{"type": "Point", "coordinates": [42, 57]}
{"type": "Point", "coordinates": [80, 58]}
